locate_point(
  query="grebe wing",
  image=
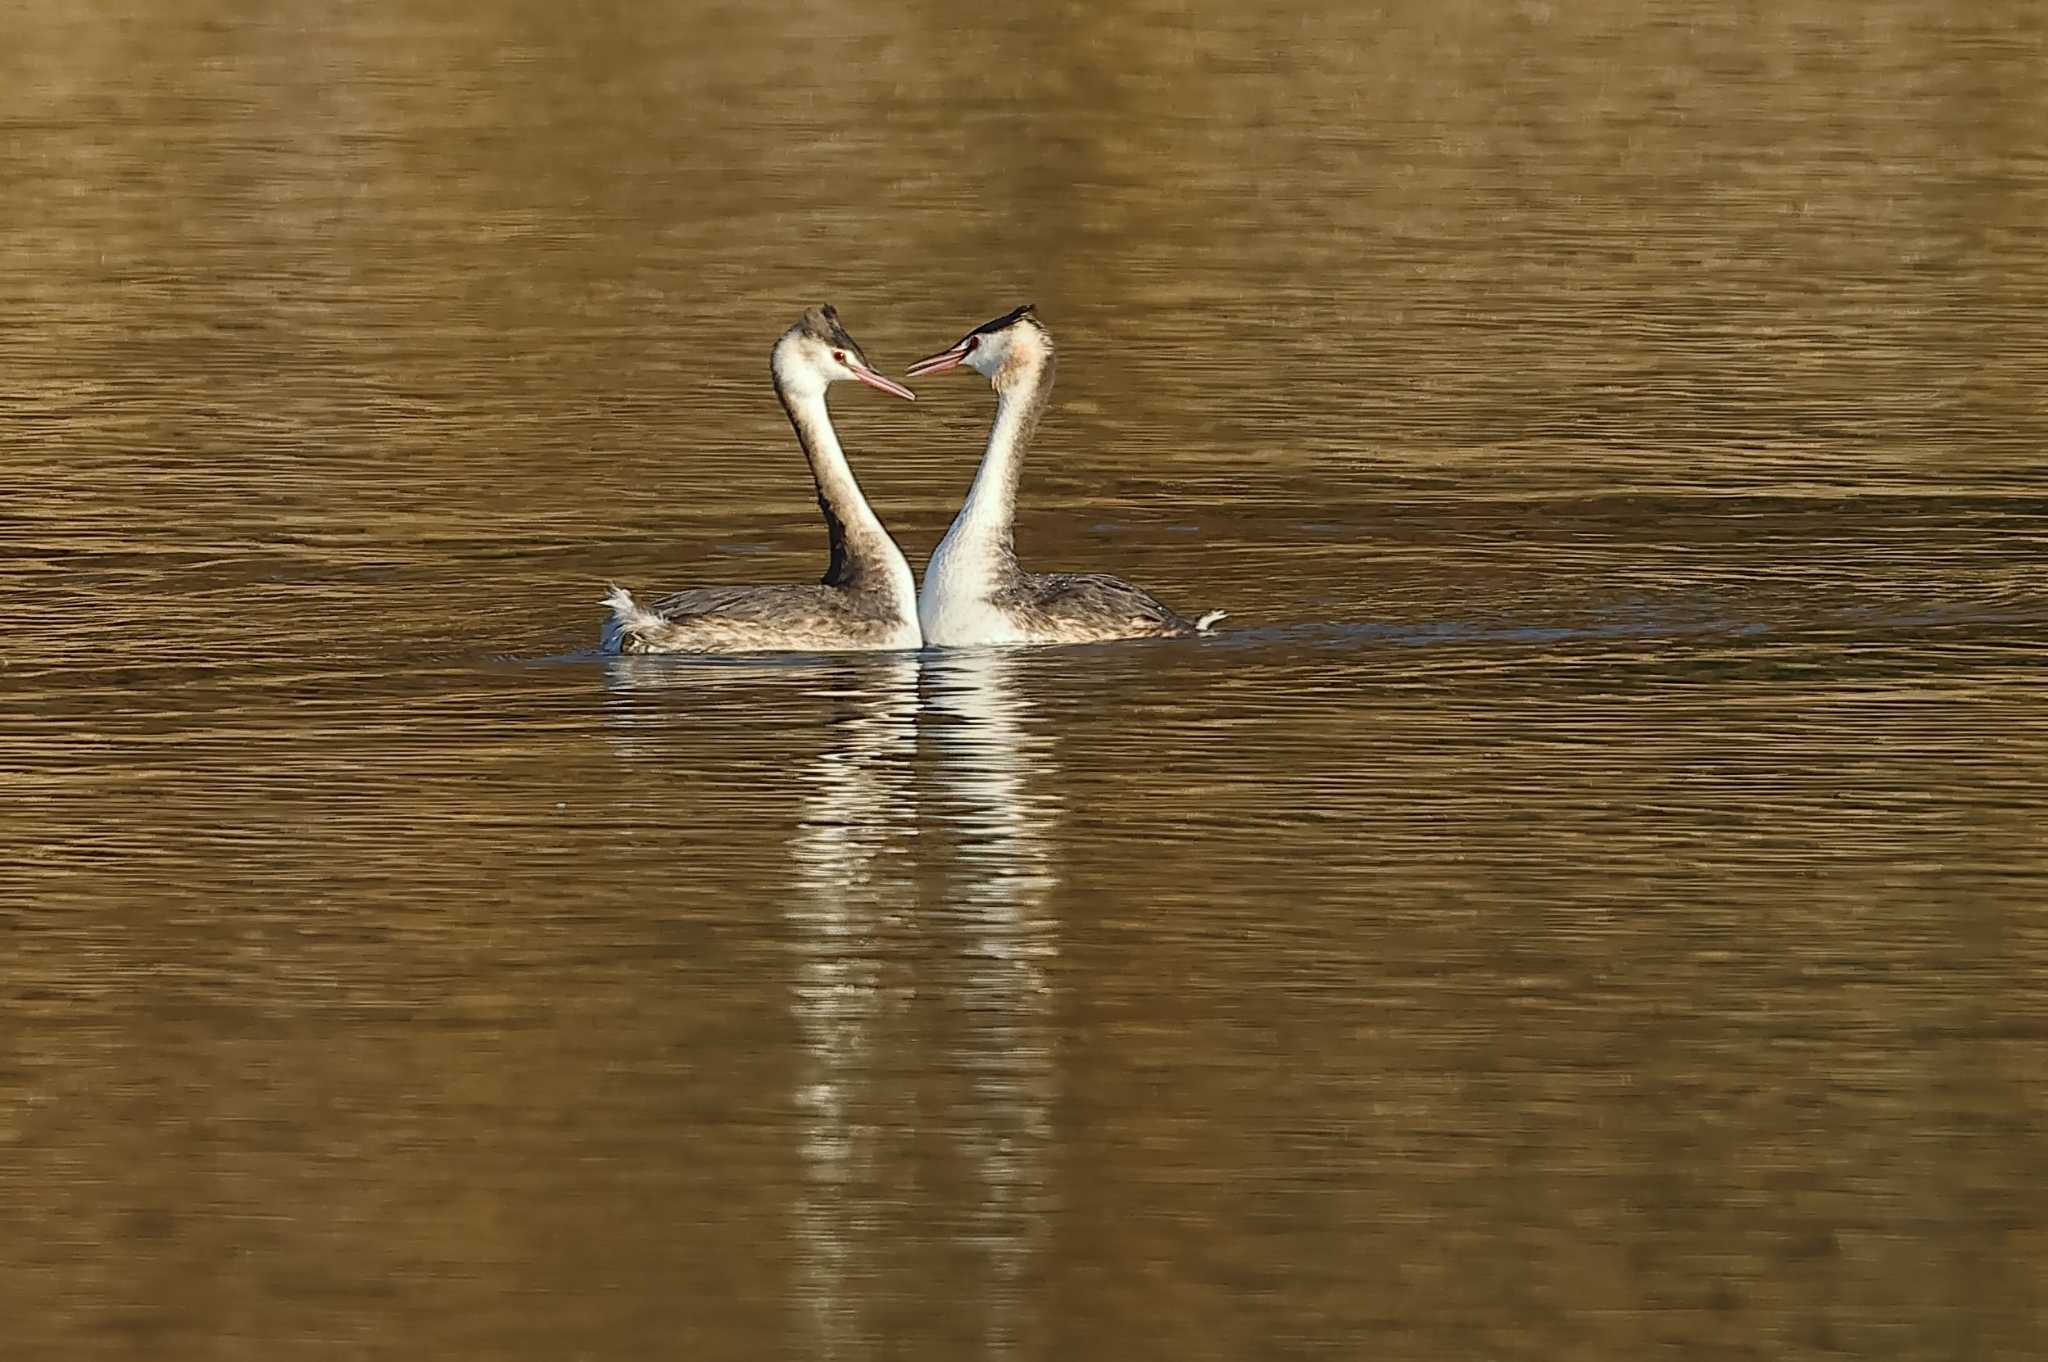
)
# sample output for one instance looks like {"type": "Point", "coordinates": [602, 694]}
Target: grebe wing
{"type": "Point", "coordinates": [738, 602]}
{"type": "Point", "coordinates": [1089, 595]}
{"type": "Point", "coordinates": [735, 619]}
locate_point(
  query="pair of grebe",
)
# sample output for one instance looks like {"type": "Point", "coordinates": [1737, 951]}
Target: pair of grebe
{"type": "Point", "coordinates": [974, 592]}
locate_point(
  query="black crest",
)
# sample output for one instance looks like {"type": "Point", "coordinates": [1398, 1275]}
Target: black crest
{"type": "Point", "coordinates": [1007, 320]}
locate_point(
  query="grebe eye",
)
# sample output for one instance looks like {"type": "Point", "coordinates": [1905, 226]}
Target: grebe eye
{"type": "Point", "coordinates": [839, 355]}
{"type": "Point", "coordinates": [972, 341]}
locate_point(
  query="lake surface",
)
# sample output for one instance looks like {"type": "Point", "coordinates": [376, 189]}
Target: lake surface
{"type": "Point", "coordinates": [1587, 903]}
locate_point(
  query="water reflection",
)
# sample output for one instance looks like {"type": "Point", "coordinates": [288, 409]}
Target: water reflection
{"type": "Point", "coordinates": [921, 999]}
{"type": "Point", "coordinates": [851, 990]}
{"type": "Point", "coordinates": [996, 787]}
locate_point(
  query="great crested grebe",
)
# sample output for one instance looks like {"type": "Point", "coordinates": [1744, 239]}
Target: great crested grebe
{"type": "Point", "coordinates": [867, 600]}
{"type": "Point", "coordinates": [974, 592]}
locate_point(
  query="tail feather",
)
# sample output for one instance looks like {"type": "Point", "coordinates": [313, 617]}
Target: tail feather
{"type": "Point", "coordinates": [1207, 621]}
{"type": "Point", "coordinates": [627, 616]}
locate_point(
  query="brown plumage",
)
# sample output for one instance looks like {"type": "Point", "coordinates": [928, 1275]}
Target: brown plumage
{"type": "Point", "coordinates": [867, 597]}
{"type": "Point", "coordinates": [974, 590]}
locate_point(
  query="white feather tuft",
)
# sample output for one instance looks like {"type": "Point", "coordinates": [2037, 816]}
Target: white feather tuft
{"type": "Point", "coordinates": [627, 616]}
{"type": "Point", "coordinates": [1203, 625]}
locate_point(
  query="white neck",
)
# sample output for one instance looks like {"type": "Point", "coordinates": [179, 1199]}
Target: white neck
{"type": "Point", "coordinates": [863, 554]}
{"type": "Point", "coordinates": [991, 506]}
{"type": "Point", "coordinates": [987, 516]}
{"type": "Point", "coordinates": [979, 555]}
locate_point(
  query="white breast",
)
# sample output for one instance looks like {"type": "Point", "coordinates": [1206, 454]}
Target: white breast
{"type": "Point", "coordinates": [953, 604]}
{"type": "Point", "coordinates": [967, 624]}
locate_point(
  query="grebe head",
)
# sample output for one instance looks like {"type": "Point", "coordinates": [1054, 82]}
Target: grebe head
{"type": "Point", "coordinates": [1010, 348]}
{"type": "Point", "coordinates": [817, 352]}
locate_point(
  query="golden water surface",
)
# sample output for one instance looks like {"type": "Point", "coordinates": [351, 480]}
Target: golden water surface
{"type": "Point", "coordinates": [1588, 903]}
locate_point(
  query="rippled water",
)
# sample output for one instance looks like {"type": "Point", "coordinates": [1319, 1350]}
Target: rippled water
{"type": "Point", "coordinates": [1587, 903]}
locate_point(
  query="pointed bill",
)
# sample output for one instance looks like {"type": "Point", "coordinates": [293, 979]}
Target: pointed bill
{"type": "Point", "coordinates": [875, 380]}
{"type": "Point", "coordinates": [952, 357]}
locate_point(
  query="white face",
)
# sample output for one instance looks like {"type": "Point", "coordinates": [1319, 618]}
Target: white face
{"type": "Point", "coordinates": [806, 363]}
{"type": "Point", "coordinates": [1013, 354]}
{"type": "Point", "coordinates": [987, 354]}
{"type": "Point", "coordinates": [832, 364]}
{"type": "Point", "coordinates": [990, 353]}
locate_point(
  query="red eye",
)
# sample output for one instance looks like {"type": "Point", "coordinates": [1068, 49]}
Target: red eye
{"type": "Point", "coordinates": [839, 355]}
{"type": "Point", "coordinates": [972, 341]}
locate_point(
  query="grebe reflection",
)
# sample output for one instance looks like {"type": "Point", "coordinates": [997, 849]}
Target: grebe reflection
{"type": "Point", "coordinates": [996, 787]}
{"type": "Point", "coordinates": [851, 924]}
{"type": "Point", "coordinates": [918, 830]}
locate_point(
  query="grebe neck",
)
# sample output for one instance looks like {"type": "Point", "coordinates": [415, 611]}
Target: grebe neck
{"type": "Point", "coordinates": [863, 554]}
{"type": "Point", "coordinates": [988, 516]}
